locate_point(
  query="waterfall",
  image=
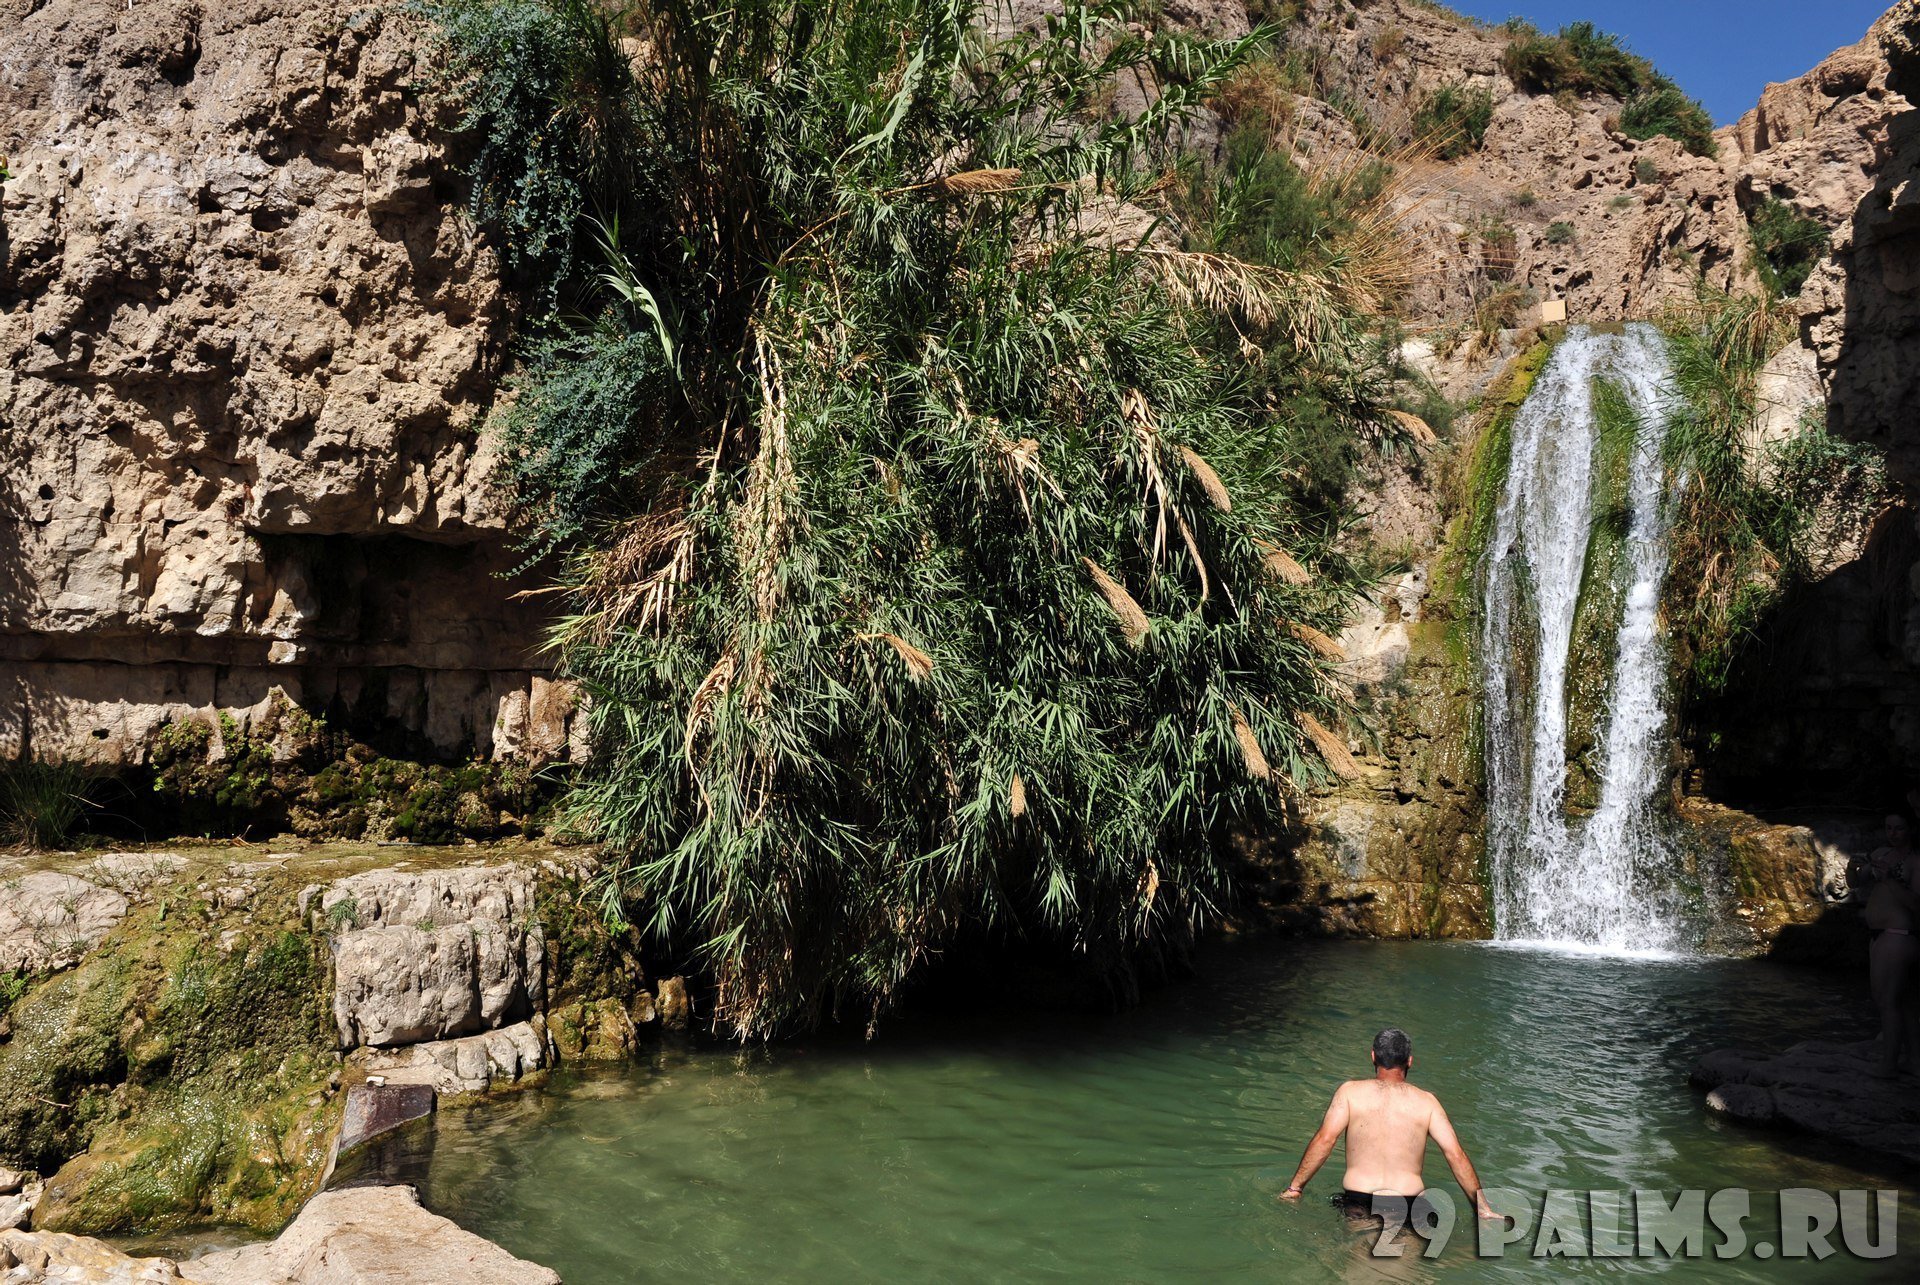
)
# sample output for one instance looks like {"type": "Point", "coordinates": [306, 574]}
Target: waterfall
{"type": "Point", "coordinates": [1602, 881]}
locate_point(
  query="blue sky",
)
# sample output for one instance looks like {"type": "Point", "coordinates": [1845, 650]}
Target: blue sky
{"type": "Point", "coordinates": [1723, 52]}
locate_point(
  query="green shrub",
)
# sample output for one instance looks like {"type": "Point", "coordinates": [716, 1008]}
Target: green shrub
{"type": "Point", "coordinates": [1524, 199]}
{"type": "Point", "coordinates": [1748, 529]}
{"type": "Point", "coordinates": [1453, 120]}
{"type": "Point", "coordinates": [1605, 67]}
{"type": "Point", "coordinates": [1559, 232]}
{"type": "Point", "coordinates": [42, 801]}
{"type": "Point", "coordinates": [1645, 170]}
{"type": "Point", "coordinates": [1580, 59]}
{"type": "Point", "coordinates": [1665, 109]}
{"type": "Point", "coordinates": [1786, 243]}
{"type": "Point", "coordinates": [1539, 63]}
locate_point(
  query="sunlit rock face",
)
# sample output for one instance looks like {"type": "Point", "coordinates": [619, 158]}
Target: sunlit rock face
{"type": "Point", "coordinates": [247, 342]}
{"type": "Point", "coordinates": [1862, 307]}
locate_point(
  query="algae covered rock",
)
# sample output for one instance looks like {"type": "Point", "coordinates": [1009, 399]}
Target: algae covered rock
{"type": "Point", "coordinates": [179, 1071]}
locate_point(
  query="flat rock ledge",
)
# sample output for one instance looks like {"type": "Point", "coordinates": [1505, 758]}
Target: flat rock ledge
{"type": "Point", "coordinates": [1817, 1088]}
{"type": "Point", "coordinates": [354, 1236]}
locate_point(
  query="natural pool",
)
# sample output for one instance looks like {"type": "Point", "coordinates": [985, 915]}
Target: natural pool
{"type": "Point", "coordinates": [1150, 1145]}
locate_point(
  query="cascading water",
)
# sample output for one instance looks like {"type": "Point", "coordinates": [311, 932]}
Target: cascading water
{"type": "Point", "coordinates": [1602, 881]}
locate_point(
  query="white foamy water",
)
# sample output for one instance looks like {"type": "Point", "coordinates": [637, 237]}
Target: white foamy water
{"type": "Point", "coordinates": [1601, 882]}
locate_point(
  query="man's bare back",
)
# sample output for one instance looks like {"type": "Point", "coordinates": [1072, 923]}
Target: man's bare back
{"type": "Point", "coordinates": [1387, 1122]}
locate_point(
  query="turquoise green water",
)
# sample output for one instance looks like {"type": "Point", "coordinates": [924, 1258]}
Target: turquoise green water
{"type": "Point", "coordinates": [1148, 1146]}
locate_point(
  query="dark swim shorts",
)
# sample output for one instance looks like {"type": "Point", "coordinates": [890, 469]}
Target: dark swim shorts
{"type": "Point", "coordinates": [1394, 1211]}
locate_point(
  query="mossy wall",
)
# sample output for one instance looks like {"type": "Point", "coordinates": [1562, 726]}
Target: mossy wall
{"type": "Point", "coordinates": [290, 772]}
{"type": "Point", "coordinates": [189, 1058]}
{"type": "Point", "coordinates": [1401, 852]}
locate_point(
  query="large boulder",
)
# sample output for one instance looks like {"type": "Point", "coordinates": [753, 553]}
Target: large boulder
{"type": "Point", "coordinates": [432, 954]}
{"type": "Point", "coordinates": [369, 1236]}
{"type": "Point", "coordinates": [1817, 1088]}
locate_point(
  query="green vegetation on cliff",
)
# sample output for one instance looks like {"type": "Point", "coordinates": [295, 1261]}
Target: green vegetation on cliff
{"type": "Point", "coordinates": [1582, 59]}
{"type": "Point", "coordinates": [1753, 516]}
{"type": "Point", "coordinates": [945, 540]}
{"type": "Point", "coordinates": [1786, 245]}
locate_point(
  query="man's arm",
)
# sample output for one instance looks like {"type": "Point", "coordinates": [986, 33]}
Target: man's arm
{"type": "Point", "coordinates": [1440, 1129]}
{"type": "Point", "coordinates": [1320, 1146]}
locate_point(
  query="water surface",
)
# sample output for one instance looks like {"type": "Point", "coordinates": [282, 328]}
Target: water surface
{"type": "Point", "coordinates": [1151, 1145]}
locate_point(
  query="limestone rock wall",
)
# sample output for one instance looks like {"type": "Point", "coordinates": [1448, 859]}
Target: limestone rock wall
{"type": "Point", "coordinates": [1638, 220]}
{"type": "Point", "coordinates": [1862, 313]}
{"type": "Point", "coordinates": [1833, 717]}
{"type": "Point", "coordinates": [247, 340]}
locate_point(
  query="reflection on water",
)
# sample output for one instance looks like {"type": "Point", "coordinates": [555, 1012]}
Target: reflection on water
{"type": "Point", "coordinates": [1147, 1146]}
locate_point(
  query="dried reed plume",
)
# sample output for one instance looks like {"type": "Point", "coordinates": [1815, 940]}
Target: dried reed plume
{"type": "Point", "coordinates": [1332, 748]}
{"type": "Point", "coordinates": [1328, 647]}
{"type": "Point", "coordinates": [706, 698]}
{"type": "Point", "coordinates": [1148, 886]}
{"type": "Point", "coordinates": [1250, 752]}
{"type": "Point", "coordinates": [1017, 796]}
{"type": "Point", "coordinates": [1280, 564]}
{"type": "Point", "coordinates": [1133, 621]}
{"type": "Point", "coordinates": [1209, 480]}
{"type": "Point", "coordinates": [1417, 428]}
{"type": "Point", "coordinates": [919, 664]}
{"type": "Point", "coordinates": [975, 182]}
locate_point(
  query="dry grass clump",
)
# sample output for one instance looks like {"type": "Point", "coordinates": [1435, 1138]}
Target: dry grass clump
{"type": "Point", "coordinates": [1320, 642]}
{"type": "Point", "coordinates": [919, 664]}
{"type": "Point", "coordinates": [1250, 752]}
{"type": "Point", "coordinates": [1209, 480]}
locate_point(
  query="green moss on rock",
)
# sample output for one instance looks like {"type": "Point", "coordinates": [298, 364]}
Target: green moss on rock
{"type": "Point", "coordinates": [180, 1073]}
{"type": "Point", "coordinates": [289, 770]}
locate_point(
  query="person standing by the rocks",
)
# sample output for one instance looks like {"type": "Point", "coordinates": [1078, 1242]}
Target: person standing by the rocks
{"type": "Point", "coordinates": [1892, 950]}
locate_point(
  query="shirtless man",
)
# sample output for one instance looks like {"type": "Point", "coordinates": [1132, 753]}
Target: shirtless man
{"type": "Point", "coordinates": [1387, 1122]}
{"type": "Point", "coordinates": [1891, 903]}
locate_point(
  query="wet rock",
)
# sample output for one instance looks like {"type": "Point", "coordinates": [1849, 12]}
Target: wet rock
{"type": "Point", "coordinates": [11, 1180]}
{"type": "Point", "coordinates": [50, 920]}
{"type": "Point", "coordinates": [1819, 1088]}
{"type": "Point", "coordinates": [429, 955]}
{"type": "Point", "coordinates": [1788, 885]}
{"type": "Point", "coordinates": [473, 1064]}
{"type": "Point", "coordinates": [364, 1235]}
{"type": "Point", "coordinates": [676, 1009]}
{"type": "Point", "coordinates": [1749, 1102]}
{"type": "Point", "coordinates": [374, 1110]}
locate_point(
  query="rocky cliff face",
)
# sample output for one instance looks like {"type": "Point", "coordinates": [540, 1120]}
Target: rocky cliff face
{"type": "Point", "coordinates": [1863, 305]}
{"type": "Point", "coordinates": [246, 342]}
{"type": "Point", "coordinates": [1557, 201]}
{"type": "Point", "coordinates": [1835, 716]}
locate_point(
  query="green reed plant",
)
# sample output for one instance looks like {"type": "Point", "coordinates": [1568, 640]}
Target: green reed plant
{"type": "Point", "coordinates": [934, 526]}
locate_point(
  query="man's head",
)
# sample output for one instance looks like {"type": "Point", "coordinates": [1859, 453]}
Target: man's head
{"type": "Point", "coordinates": [1392, 1050]}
